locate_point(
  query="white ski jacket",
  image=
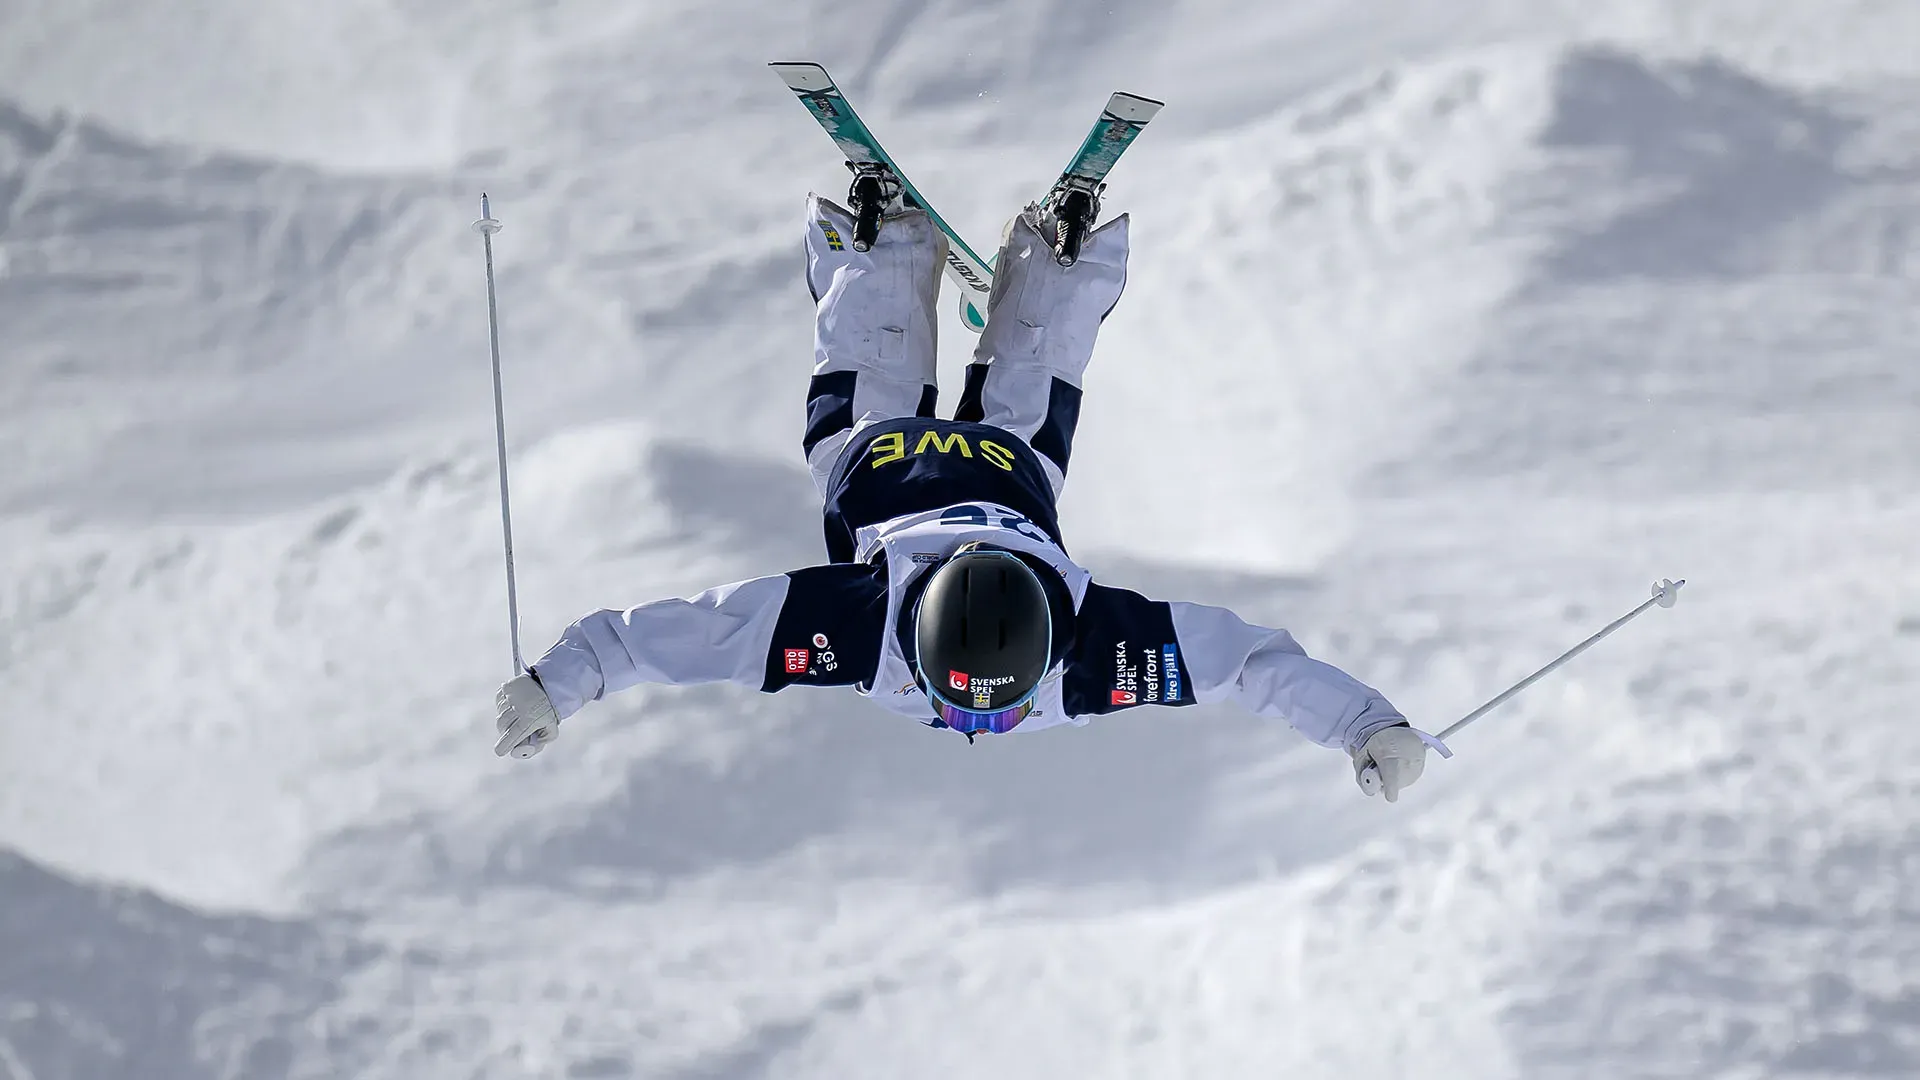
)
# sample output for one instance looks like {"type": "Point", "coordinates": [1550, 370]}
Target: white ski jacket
{"type": "Point", "coordinates": [850, 624]}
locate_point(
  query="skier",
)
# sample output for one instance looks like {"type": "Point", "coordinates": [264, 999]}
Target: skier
{"type": "Point", "coordinates": [949, 595]}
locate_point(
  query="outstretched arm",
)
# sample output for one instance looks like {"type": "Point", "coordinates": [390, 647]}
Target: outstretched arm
{"type": "Point", "coordinates": [1267, 672]}
{"type": "Point", "coordinates": [721, 635]}
{"type": "Point", "coordinates": [818, 626]}
{"type": "Point", "coordinates": [718, 635]}
{"type": "Point", "coordinates": [1131, 651]}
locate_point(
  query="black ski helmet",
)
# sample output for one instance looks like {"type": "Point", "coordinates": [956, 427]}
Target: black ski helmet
{"type": "Point", "coordinates": [983, 640]}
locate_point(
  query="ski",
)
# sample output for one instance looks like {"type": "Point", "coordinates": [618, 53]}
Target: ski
{"type": "Point", "coordinates": [1073, 199]}
{"type": "Point", "coordinates": [871, 162]}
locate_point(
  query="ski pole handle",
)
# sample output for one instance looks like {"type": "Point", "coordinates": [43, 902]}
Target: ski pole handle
{"type": "Point", "coordinates": [1665, 594]}
{"type": "Point", "coordinates": [1369, 781]}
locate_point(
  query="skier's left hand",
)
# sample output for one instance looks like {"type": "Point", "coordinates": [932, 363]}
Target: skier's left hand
{"type": "Point", "coordinates": [1392, 759]}
{"type": "Point", "coordinates": [527, 720]}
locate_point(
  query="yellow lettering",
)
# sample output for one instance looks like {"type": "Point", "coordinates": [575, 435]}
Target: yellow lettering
{"type": "Point", "coordinates": [997, 454]}
{"type": "Point", "coordinates": [889, 447]}
{"type": "Point", "coordinates": [944, 446]}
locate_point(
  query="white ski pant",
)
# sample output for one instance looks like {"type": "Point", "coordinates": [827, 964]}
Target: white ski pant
{"type": "Point", "coordinates": [876, 321]}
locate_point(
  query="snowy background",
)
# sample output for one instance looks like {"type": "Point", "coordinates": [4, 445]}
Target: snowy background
{"type": "Point", "coordinates": [1451, 327]}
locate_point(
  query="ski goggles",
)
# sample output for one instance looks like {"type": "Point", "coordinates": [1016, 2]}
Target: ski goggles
{"type": "Point", "coordinates": [973, 721]}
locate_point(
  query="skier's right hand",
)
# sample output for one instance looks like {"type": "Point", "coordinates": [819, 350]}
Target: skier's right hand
{"type": "Point", "coordinates": [527, 720]}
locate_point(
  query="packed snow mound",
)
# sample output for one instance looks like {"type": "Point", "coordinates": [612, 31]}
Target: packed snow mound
{"type": "Point", "coordinates": [1717, 312]}
{"type": "Point", "coordinates": [301, 655]}
{"type": "Point", "coordinates": [1387, 187]}
{"type": "Point", "coordinates": [1444, 336]}
{"type": "Point", "coordinates": [356, 83]}
{"type": "Point", "coordinates": [169, 303]}
{"type": "Point", "coordinates": [110, 981]}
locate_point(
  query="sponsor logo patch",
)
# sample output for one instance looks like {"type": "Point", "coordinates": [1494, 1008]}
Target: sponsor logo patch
{"type": "Point", "coordinates": [928, 558]}
{"type": "Point", "coordinates": [1126, 676]}
{"type": "Point", "coordinates": [1140, 675]}
{"type": "Point", "coordinates": [823, 657]}
{"type": "Point", "coordinates": [797, 661]}
{"type": "Point", "coordinates": [980, 687]}
{"type": "Point", "coordinates": [1170, 669]}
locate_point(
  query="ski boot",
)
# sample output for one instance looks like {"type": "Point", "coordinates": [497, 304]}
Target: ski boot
{"type": "Point", "coordinates": [876, 191]}
{"type": "Point", "coordinates": [1074, 205]}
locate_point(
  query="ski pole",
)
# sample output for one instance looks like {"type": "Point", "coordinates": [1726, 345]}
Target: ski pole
{"type": "Point", "coordinates": [486, 227]}
{"type": "Point", "coordinates": [1665, 594]}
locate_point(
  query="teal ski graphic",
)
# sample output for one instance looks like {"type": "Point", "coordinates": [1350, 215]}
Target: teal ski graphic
{"type": "Point", "coordinates": [1074, 198]}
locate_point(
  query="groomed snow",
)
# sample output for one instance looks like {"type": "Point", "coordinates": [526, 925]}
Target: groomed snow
{"type": "Point", "coordinates": [1447, 333]}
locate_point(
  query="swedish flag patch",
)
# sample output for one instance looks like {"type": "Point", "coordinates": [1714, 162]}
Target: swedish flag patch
{"type": "Point", "coordinates": [832, 234]}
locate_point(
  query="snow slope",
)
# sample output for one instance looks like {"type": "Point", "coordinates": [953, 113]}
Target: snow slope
{"type": "Point", "coordinates": [1446, 334]}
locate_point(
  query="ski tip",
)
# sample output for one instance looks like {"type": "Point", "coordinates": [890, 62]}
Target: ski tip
{"type": "Point", "coordinates": [803, 76]}
{"type": "Point", "coordinates": [1133, 108]}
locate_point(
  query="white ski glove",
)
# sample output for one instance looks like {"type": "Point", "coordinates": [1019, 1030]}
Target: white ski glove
{"type": "Point", "coordinates": [1392, 759]}
{"type": "Point", "coordinates": [527, 720]}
